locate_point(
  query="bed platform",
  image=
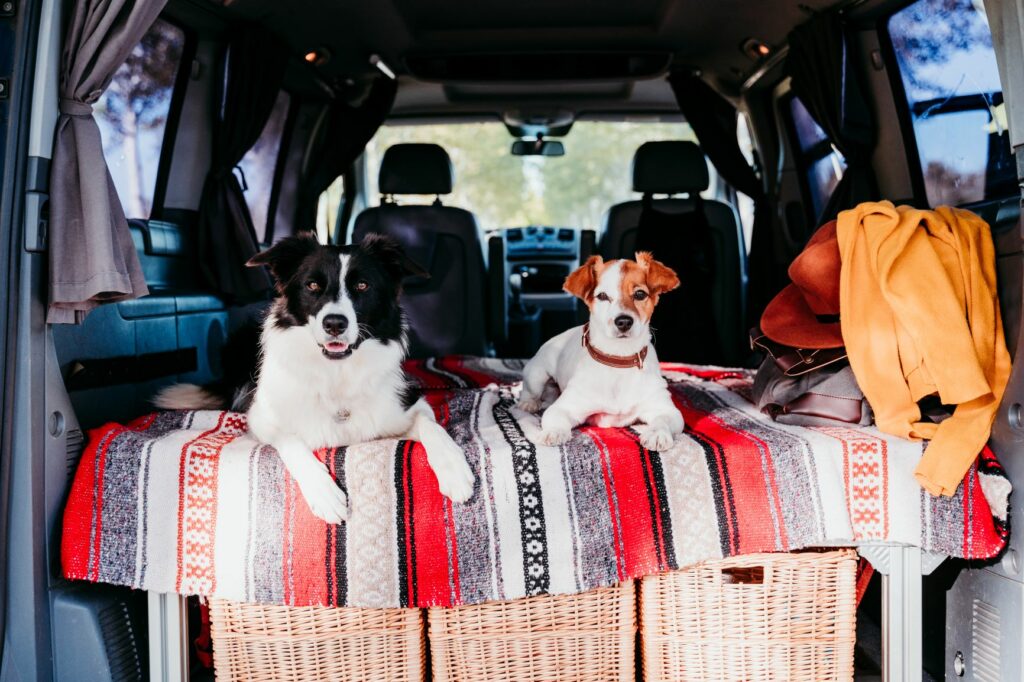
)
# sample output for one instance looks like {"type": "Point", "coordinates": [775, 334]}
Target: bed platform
{"type": "Point", "coordinates": [183, 503]}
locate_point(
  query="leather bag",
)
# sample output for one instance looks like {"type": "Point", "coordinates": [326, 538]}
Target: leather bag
{"type": "Point", "coordinates": [807, 387]}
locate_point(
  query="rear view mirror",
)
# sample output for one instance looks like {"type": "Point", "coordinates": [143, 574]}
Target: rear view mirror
{"type": "Point", "coordinates": [538, 148]}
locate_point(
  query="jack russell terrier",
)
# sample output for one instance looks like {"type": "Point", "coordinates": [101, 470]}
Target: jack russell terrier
{"type": "Point", "coordinates": [606, 372]}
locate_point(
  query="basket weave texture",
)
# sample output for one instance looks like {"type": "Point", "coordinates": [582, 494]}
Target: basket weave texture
{"type": "Point", "coordinates": [589, 637]}
{"type": "Point", "coordinates": [754, 617]}
{"type": "Point", "coordinates": [258, 643]}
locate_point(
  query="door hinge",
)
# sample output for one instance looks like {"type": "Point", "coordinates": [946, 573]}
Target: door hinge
{"type": "Point", "coordinates": [7, 8]}
{"type": "Point", "coordinates": [5, 88]}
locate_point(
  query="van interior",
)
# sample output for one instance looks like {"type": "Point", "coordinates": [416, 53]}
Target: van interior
{"type": "Point", "coordinates": [502, 144]}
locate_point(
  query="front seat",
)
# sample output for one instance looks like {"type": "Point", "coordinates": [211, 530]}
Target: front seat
{"type": "Point", "coordinates": [701, 239]}
{"type": "Point", "coordinates": [446, 312]}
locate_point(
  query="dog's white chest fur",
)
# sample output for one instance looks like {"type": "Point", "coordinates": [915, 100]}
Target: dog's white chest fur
{"type": "Point", "coordinates": [327, 402]}
{"type": "Point", "coordinates": [611, 390]}
{"type": "Point", "coordinates": [587, 391]}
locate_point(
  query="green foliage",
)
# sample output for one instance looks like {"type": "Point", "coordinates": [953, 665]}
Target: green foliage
{"type": "Point", "coordinates": [506, 191]}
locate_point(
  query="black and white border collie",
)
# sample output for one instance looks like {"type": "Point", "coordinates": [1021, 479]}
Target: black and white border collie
{"type": "Point", "coordinates": [330, 372]}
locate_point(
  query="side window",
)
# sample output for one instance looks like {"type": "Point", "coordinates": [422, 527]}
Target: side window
{"type": "Point", "coordinates": [327, 209]}
{"type": "Point", "coordinates": [132, 115]}
{"type": "Point", "coordinates": [258, 167]}
{"type": "Point", "coordinates": [948, 72]}
{"type": "Point", "coordinates": [820, 164]}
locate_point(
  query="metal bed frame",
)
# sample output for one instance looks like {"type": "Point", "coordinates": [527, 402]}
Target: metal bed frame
{"type": "Point", "coordinates": [901, 567]}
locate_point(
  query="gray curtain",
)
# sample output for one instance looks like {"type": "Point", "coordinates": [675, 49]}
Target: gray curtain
{"type": "Point", "coordinates": [255, 68]}
{"type": "Point", "coordinates": [823, 73]}
{"type": "Point", "coordinates": [92, 257]}
{"type": "Point", "coordinates": [349, 130]}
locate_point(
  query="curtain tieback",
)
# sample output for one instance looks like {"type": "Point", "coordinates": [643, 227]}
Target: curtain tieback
{"type": "Point", "coordinates": [74, 108]}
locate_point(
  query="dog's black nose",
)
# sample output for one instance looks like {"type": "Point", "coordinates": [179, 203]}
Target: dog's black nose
{"type": "Point", "coordinates": [624, 323]}
{"type": "Point", "coordinates": [335, 325]}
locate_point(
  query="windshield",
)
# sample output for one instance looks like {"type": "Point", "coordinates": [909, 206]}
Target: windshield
{"type": "Point", "coordinates": [503, 190]}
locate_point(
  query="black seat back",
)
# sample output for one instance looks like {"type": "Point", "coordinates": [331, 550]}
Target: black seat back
{"type": "Point", "coordinates": [676, 167]}
{"type": "Point", "coordinates": [446, 312]}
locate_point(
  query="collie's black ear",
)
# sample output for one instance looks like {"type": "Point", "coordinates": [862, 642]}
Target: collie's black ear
{"type": "Point", "coordinates": [285, 257]}
{"type": "Point", "coordinates": [391, 255]}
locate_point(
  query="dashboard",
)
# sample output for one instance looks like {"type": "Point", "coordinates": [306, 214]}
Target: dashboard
{"type": "Point", "coordinates": [538, 258]}
{"type": "Point", "coordinates": [536, 241]}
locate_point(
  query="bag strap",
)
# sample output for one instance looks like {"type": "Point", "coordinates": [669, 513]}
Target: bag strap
{"type": "Point", "coordinates": [795, 361]}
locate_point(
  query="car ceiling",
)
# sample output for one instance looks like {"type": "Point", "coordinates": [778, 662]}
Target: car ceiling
{"type": "Point", "coordinates": [693, 33]}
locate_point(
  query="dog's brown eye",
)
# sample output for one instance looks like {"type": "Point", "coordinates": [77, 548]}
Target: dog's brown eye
{"type": "Point", "coordinates": [603, 297]}
{"type": "Point", "coordinates": [362, 286]}
{"type": "Point", "coordinates": [639, 295]}
{"type": "Point", "coordinates": [313, 286]}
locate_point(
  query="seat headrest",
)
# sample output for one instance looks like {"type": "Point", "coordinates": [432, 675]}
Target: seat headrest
{"type": "Point", "coordinates": [415, 168]}
{"type": "Point", "coordinates": [669, 167]}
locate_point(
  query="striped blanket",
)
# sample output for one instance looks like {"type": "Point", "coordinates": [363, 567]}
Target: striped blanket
{"type": "Point", "coordinates": [187, 502]}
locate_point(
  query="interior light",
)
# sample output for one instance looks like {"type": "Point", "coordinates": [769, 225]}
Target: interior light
{"type": "Point", "coordinates": [755, 49]}
{"type": "Point", "coordinates": [318, 57]}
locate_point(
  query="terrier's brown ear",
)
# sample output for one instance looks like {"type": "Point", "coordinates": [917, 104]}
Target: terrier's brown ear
{"type": "Point", "coordinates": [583, 281]}
{"type": "Point", "coordinates": [660, 277]}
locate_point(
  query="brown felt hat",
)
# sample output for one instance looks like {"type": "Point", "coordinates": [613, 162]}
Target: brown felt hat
{"type": "Point", "coordinates": [806, 313]}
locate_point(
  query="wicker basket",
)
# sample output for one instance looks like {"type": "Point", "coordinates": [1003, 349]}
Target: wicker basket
{"type": "Point", "coordinates": [588, 637]}
{"type": "Point", "coordinates": [256, 642]}
{"type": "Point", "coordinates": [755, 617]}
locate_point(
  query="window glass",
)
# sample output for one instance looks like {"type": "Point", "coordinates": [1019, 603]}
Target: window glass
{"type": "Point", "coordinates": [818, 160]}
{"type": "Point", "coordinates": [503, 190]}
{"type": "Point", "coordinates": [327, 209]}
{"type": "Point", "coordinates": [256, 169]}
{"type": "Point", "coordinates": [948, 69]}
{"type": "Point", "coordinates": [132, 115]}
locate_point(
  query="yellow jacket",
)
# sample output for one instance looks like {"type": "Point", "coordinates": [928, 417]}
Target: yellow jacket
{"type": "Point", "coordinates": [919, 312]}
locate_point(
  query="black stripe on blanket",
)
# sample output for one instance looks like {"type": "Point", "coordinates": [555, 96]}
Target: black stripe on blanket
{"type": "Point", "coordinates": [531, 509]}
{"type": "Point", "coordinates": [337, 576]}
{"type": "Point", "coordinates": [405, 532]}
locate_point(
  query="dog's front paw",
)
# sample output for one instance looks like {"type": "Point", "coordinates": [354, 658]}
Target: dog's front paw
{"type": "Point", "coordinates": [654, 438]}
{"type": "Point", "coordinates": [554, 436]}
{"type": "Point", "coordinates": [455, 477]}
{"type": "Point", "coordinates": [325, 499]}
{"type": "Point", "coordinates": [457, 483]}
{"type": "Point", "coordinates": [529, 403]}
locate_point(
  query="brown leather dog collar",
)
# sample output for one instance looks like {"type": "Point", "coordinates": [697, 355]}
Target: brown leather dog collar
{"type": "Point", "coordinates": [617, 361]}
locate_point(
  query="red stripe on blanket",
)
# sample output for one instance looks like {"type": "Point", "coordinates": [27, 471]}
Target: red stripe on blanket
{"type": "Point", "coordinates": [741, 479]}
{"type": "Point", "coordinates": [640, 556]}
{"type": "Point", "coordinates": [82, 515]}
{"type": "Point", "coordinates": [988, 534]}
{"type": "Point", "coordinates": [305, 549]}
{"type": "Point", "coordinates": [85, 501]}
{"type": "Point", "coordinates": [430, 531]}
